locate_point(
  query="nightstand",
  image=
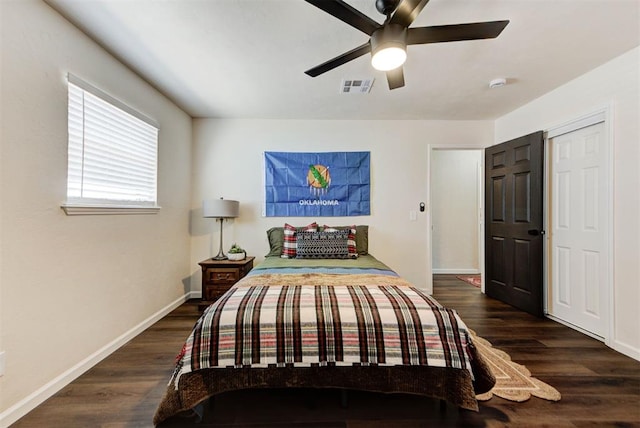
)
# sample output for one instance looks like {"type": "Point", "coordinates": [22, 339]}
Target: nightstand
{"type": "Point", "coordinates": [219, 275]}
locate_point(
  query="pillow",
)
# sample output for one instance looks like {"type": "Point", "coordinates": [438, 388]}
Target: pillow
{"type": "Point", "coordinates": [362, 239]}
{"type": "Point", "coordinates": [276, 241]}
{"type": "Point", "coordinates": [351, 242]}
{"type": "Point", "coordinates": [290, 240]}
{"type": "Point", "coordinates": [323, 245]}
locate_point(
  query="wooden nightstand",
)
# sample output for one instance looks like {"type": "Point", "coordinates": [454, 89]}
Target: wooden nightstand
{"type": "Point", "coordinates": [219, 275]}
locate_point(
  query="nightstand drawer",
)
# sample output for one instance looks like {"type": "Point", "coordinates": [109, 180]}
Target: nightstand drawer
{"type": "Point", "coordinates": [222, 275]}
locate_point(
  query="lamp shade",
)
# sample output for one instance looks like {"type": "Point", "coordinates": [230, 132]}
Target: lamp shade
{"type": "Point", "coordinates": [220, 208]}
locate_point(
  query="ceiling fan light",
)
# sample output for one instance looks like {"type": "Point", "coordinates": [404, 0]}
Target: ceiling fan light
{"type": "Point", "coordinates": [388, 47]}
{"type": "Point", "coordinates": [388, 58]}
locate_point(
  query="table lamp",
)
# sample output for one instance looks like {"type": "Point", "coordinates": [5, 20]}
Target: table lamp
{"type": "Point", "coordinates": [220, 209]}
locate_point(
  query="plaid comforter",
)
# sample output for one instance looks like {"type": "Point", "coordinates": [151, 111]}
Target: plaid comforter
{"type": "Point", "coordinates": [352, 324]}
{"type": "Point", "coordinates": [322, 325]}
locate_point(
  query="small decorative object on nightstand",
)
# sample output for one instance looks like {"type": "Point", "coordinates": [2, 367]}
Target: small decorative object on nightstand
{"type": "Point", "coordinates": [219, 275]}
{"type": "Point", "coordinates": [236, 253]}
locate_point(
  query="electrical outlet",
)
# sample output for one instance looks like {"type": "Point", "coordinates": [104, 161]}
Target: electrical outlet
{"type": "Point", "coordinates": [2, 363]}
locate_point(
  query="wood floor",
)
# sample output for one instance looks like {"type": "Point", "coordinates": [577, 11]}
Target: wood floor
{"type": "Point", "coordinates": [599, 387]}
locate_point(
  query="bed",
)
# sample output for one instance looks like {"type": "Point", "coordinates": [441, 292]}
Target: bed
{"type": "Point", "coordinates": [326, 323]}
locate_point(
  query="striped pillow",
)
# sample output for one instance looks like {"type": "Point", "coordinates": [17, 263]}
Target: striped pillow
{"type": "Point", "coordinates": [351, 243]}
{"type": "Point", "coordinates": [290, 240]}
{"type": "Point", "coordinates": [323, 245]}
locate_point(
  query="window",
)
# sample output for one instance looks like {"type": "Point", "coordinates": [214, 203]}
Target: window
{"type": "Point", "coordinates": [113, 155]}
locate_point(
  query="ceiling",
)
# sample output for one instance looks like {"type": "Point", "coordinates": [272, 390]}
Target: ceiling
{"type": "Point", "coordinates": [246, 58]}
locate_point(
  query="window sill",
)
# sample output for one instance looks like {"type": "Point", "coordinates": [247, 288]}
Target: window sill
{"type": "Point", "coordinates": [88, 209]}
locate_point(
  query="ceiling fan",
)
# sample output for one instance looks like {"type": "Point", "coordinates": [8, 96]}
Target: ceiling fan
{"type": "Point", "coordinates": [388, 42]}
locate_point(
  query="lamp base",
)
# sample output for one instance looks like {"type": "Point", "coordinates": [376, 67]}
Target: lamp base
{"type": "Point", "coordinates": [221, 255]}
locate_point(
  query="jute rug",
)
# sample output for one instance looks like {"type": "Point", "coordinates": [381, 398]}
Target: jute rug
{"type": "Point", "coordinates": [513, 380]}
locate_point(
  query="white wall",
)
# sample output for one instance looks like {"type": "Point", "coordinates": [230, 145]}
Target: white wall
{"type": "Point", "coordinates": [72, 286]}
{"type": "Point", "coordinates": [615, 84]}
{"type": "Point", "coordinates": [455, 210]}
{"type": "Point", "coordinates": [228, 162]}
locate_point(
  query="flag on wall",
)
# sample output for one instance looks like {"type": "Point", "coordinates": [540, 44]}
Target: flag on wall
{"type": "Point", "coordinates": [331, 184]}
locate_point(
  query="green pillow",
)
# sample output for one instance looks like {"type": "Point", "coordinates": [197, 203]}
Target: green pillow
{"type": "Point", "coordinates": [362, 239]}
{"type": "Point", "coordinates": [276, 241]}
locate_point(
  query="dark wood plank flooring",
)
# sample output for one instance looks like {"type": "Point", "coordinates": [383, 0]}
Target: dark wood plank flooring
{"type": "Point", "coordinates": [599, 387]}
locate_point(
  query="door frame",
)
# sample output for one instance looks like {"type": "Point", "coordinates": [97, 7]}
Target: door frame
{"type": "Point", "coordinates": [599, 115]}
{"type": "Point", "coordinates": [430, 149]}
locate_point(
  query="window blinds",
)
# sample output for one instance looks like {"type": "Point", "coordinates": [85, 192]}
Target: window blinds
{"type": "Point", "coordinates": [112, 152]}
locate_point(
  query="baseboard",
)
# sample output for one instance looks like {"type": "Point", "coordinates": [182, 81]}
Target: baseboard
{"type": "Point", "coordinates": [24, 406]}
{"type": "Point", "coordinates": [618, 346]}
{"type": "Point", "coordinates": [575, 327]}
{"type": "Point", "coordinates": [456, 271]}
{"type": "Point", "coordinates": [625, 349]}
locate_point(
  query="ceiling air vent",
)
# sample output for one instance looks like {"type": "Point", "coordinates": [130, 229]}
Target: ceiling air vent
{"type": "Point", "coordinates": [356, 86]}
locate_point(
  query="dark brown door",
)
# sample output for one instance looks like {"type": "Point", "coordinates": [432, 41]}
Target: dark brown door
{"type": "Point", "coordinates": [514, 219]}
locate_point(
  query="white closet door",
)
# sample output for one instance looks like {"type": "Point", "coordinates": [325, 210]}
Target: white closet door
{"type": "Point", "coordinates": [580, 259]}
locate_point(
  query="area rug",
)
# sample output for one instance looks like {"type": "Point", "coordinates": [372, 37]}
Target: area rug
{"type": "Point", "coordinates": [513, 381]}
{"type": "Point", "coordinates": [470, 279]}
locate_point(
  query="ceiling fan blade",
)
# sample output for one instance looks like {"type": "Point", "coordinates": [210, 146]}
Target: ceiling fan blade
{"type": "Point", "coordinates": [347, 14]}
{"type": "Point", "coordinates": [339, 60]}
{"type": "Point", "coordinates": [395, 78]}
{"type": "Point", "coordinates": [455, 33]}
{"type": "Point", "coordinates": [407, 11]}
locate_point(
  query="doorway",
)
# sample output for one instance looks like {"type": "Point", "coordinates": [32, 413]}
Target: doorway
{"type": "Point", "coordinates": [456, 210]}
